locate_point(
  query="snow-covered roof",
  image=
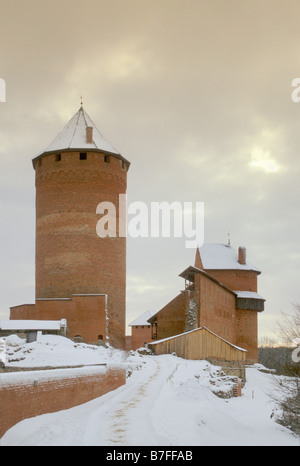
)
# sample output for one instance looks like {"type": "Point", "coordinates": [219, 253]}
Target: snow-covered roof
{"type": "Point", "coordinates": [32, 324]}
{"type": "Point", "coordinates": [74, 136]}
{"type": "Point", "coordinates": [249, 294]}
{"type": "Point", "coordinates": [143, 319]}
{"type": "Point", "coordinates": [216, 256]}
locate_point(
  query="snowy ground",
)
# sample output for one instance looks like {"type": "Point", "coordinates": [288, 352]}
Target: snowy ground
{"type": "Point", "coordinates": [167, 401]}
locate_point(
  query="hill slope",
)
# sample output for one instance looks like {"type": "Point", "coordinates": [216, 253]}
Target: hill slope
{"type": "Point", "coordinates": [167, 401]}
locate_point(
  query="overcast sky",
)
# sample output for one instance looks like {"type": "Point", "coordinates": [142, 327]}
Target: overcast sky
{"type": "Point", "coordinates": [196, 94]}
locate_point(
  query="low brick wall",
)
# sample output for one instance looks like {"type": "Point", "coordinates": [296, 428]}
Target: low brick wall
{"type": "Point", "coordinates": [29, 394]}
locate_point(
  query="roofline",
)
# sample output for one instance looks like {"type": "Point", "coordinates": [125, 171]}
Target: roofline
{"type": "Point", "coordinates": [154, 315]}
{"type": "Point", "coordinates": [150, 320]}
{"type": "Point", "coordinates": [196, 270]}
{"type": "Point", "coordinates": [80, 149]}
{"type": "Point", "coordinates": [247, 267]}
{"type": "Point", "coordinates": [194, 330]}
{"type": "Point", "coordinates": [237, 269]}
{"type": "Point", "coordinates": [132, 324]}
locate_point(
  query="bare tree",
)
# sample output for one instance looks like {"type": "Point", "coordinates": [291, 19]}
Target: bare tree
{"type": "Point", "coordinates": [288, 389]}
{"type": "Point", "coordinates": [289, 327]}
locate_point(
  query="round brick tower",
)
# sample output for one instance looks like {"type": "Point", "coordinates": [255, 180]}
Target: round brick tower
{"type": "Point", "coordinates": [77, 171]}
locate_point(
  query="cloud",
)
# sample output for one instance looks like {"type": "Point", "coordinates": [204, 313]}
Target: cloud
{"type": "Point", "coordinates": [140, 286]}
{"type": "Point", "coordinates": [197, 95]}
{"type": "Point", "coordinates": [262, 160]}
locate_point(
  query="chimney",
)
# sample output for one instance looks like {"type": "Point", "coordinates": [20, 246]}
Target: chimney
{"type": "Point", "coordinates": [242, 255]}
{"type": "Point", "coordinates": [89, 134]}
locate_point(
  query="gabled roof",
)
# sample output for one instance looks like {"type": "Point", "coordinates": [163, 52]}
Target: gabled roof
{"type": "Point", "coordinates": [74, 137]}
{"type": "Point", "coordinates": [216, 256]}
{"type": "Point", "coordinates": [143, 319]}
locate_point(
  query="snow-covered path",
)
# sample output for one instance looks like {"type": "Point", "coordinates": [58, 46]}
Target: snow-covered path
{"type": "Point", "coordinates": [169, 402]}
{"type": "Point", "coordinates": [130, 415]}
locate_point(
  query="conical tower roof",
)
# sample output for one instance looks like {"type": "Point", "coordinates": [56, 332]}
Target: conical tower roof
{"type": "Point", "coordinates": [74, 137]}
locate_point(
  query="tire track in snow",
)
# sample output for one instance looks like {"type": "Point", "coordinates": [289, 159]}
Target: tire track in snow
{"type": "Point", "coordinates": [131, 417]}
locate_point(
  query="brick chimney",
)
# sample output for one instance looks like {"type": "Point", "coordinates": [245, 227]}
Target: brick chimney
{"type": "Point", "coordinates": [242, 255]}
{"type": "Point", "coordinates": [89, 134]}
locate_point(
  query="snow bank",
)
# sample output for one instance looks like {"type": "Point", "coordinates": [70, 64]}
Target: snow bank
{"type": "Point", "coordinates": [169, 402]}
{"type": "Point", "coordinates": [58, 351]}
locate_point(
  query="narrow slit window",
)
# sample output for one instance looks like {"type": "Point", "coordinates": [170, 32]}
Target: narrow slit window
{"type": "Point", "coordinates": [57, 157]}
{"type": "Point", "coordinates": [83, 156]}
{"type": "Point", "coordinates": [107, 159]}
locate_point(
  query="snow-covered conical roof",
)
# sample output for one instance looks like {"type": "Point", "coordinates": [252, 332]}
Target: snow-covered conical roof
{"type": "Point", "coordinates": [74, 137]}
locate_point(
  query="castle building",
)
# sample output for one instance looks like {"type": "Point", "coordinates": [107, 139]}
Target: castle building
{"type": "Point", "coordinates": [80, 277]}
{"type": "Point", "coordinates": [220, 295]}
{"type": "Point", "coordinates": [141, 332]}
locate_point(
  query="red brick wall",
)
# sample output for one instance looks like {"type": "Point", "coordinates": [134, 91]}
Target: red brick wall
{"type": "Point", "coordinates": [247, 333]}
{"type": "Point", "coordinates": [86, 315]}
{"type": "Point", "coordinates": [70, 256]}
{"type": "Point", "coordinates": [217, 308]}
{"type": "Point", "coordinates": [239, 280]}
{"type": "Point", "coordinates": [171, 318]}
{"type": "Point", "coordinates": [140, 334]}
{"type": "Point", "coordinates": [20, 401]}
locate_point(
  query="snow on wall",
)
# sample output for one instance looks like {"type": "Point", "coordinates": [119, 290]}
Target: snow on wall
{"type": "Point", "coordinates": [29, 394]}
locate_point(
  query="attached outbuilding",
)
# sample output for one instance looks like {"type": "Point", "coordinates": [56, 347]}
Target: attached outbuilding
{"type": "Point", "coordinates": [201, 343]}
{"type": "Point", "coordinates": [30, 328]}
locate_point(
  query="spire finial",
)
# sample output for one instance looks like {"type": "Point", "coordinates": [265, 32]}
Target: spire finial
{"type": "Point", "coordinates": [81, 102]}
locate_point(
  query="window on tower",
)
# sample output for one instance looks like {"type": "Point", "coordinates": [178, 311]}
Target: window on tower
{"type": "Point", "coordinates": [57, 157]}
{"type": "Point", "coordinates": [83, 156]}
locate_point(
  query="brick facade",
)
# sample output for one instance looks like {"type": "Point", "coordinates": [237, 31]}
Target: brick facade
{"type": "Point", "coordinates": [171, 318]}
{"type": "Point", "coordinates": [71, 259]}
{"type": "Point", "coordinates": [219, 306]}
{"type": "Point", "coordinates": [32, 394]}
{"type": "Point", "coordinates": [85, 315]}
{"type": "Point", "coordinates": [70, 256]}
{"type": "Point", "coordinates": [141, 334]}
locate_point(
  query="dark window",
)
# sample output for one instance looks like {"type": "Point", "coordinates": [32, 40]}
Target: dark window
{"type": "Point", "coordinates": [100, 337]}
{"type": "Point", "coordinates": [107, 159]}
{"type": "Point", "coordinates": [83, 156]}
{"type": "Point", "coordinates": [57, 157]}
